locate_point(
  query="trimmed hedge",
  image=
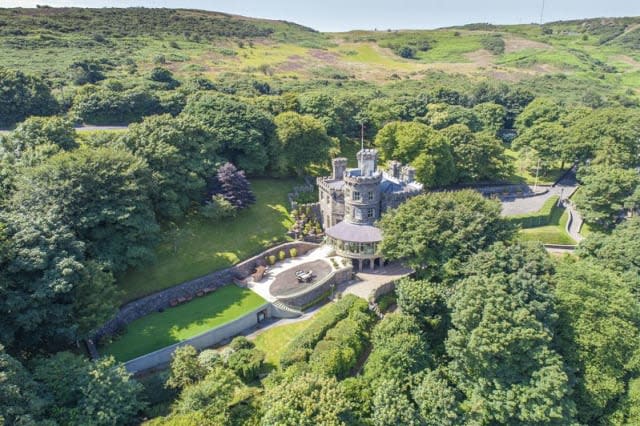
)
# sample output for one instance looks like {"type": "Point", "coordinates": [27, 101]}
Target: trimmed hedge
{"type": "Point", "coordinates": [340, 349]}
{"type": "Point", "coordinates": [540, 218]}
{"type": "Point", "coordinates": [300, 348]}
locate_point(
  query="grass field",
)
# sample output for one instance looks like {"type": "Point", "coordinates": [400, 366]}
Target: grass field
{"type": "Point", "coordinates": [274, 340]}
{"type": "Point", "coordinates": [197, 246]}
{"type": "Point", "coordinates": [554, 233]}
{"type": "Point", "coordinates": [174, 325]}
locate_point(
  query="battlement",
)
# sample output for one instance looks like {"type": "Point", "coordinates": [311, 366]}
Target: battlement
{"type": "Point", "coordinates": [363, 180]}
{"type": "Point", "coordinates": [367, 161]}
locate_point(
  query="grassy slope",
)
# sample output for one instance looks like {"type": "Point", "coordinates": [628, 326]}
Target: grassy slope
{"type": "Point", "coordinates": [198, 246]}
{"type": "Point", "coordinates": [274, 340]}
{"type": "Point", "coordinates": [48, 40]}
{"type": "Point", "coordinates": [161, 329]}
{"type": "Point", "coordinates": [554, 233]}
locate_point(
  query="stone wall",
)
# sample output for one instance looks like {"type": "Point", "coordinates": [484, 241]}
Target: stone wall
{"type": "Point", "coordinates": [299, 300]}
{"type": "Point", "coordinates": [162, 299]}
{"type": "Point", "coordinates": [162, 357]}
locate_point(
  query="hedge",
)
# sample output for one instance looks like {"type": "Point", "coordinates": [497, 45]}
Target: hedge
{"type": "Point", "coordinates": [300, 348]}
{"type": "Point", "coordinates": [341, 347]}
{"type": "Point", "coordinates": [540, 218]}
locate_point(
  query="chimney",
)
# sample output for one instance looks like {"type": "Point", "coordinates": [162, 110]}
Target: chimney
{"type": "Point", "coordinates": [367, 161]}
{"type": "Point", "coordinates": [339, 165]}
{"type": "Point", "coordinates": [394, 169]}
{"type": "Point", "coordinates": [408, 174]}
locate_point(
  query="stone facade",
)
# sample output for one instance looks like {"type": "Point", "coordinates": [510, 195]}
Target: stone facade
{"type": "Point", "coordinates": [361, 195]}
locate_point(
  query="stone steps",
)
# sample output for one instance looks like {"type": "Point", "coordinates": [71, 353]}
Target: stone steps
{"type": "Point", "coordinates": [285, 310]}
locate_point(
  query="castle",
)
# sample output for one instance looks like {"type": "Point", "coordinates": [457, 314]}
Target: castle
{"type": "Point", "coordinates": [352, 200]}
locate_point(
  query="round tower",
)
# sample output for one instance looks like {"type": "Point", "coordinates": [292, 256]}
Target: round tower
{"type": "Point", "coordinates": [362, 189]}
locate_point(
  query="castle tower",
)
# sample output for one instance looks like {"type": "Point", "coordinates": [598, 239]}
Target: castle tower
{"type": "Point", "coordinates": [338, 165]}
{"type": "Point", "coordinates": [362, 190]}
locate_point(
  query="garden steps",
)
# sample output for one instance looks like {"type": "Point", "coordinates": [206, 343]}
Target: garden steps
{"type": "Point", "coordinates": [283, 310]}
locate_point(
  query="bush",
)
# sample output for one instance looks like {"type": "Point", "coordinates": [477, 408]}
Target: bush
{"type": "Point", "coordinates": [293, 252]}
{"type": "Point", "coordinates": [494, 44]}
{"type": "Point", "coordinates": [282, 255]}
{"type": "Point", "coordinates": [540, 218]}
{"type": "Point", "coordinates": [246, 363]}
{"type": "Point", "coordinates": [218, 208]}
{"type": "Point", "coordinates": [241, 342]}
{"type": "Point", "coordinates": [299, 348]}
{"type": "Point", "coordinates": [272, 260]}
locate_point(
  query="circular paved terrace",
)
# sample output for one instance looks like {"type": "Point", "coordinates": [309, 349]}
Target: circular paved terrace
{"type": "Point", "coordinates": [286, 282]}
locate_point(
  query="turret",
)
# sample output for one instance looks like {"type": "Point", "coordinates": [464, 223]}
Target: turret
{"type": "Point", "coordinates": [367, 161]}
{"type": "Point", "coordinates": [407, 174]}
{"type": "Point", "coordinates": [339, 165]}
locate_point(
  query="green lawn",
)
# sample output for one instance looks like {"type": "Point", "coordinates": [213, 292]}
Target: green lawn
{"type": "Point", "coordinates": [274, 341]}
{"type": "Point", "coordinates": [554, 233]}
{"type": "Point", "coordinates": [197, 246]}
{"type": "Point", "coordinates": [174, 325]}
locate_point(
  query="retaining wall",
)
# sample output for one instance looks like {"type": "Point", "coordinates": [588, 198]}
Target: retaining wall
{"type": "Point", "coordinates": [162, 357]}
{"type": "Point", "coordinates": [162, 299]}
{"type": "Point", "coordinates": [303, 298]}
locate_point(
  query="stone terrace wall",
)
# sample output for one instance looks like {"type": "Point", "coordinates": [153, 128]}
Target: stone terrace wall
{"type": "Point", "coordinates": [302, 298]}
{"type": "Point", "coordinates": [162, 299]}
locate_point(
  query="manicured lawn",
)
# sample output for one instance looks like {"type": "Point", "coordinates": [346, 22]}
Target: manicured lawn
{"type": "Point", "coordinates": [197, 246]}
{"type": "Point", "coordinates": [274, 340]}
{"type": "Point", "coordinates": [174, 325]}
{"type": "Point", "coordinates": [554, 233]}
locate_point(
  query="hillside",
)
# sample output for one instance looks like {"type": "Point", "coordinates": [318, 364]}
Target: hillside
{"type": "Point", "coordinates": [602, 55]}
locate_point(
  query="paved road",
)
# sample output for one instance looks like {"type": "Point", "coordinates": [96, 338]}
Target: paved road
{"type": "Point", "coordinates": [563, 189]}
{"type": "Point", "coordinates": [83, 128]}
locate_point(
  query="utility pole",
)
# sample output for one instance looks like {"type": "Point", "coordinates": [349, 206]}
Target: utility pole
{"type": "Point", "coordinates": [535, 185]}
{"type": "Point", "coordinates": [362, 135]}
{"type": "Point", "coordinates": [542, 12]}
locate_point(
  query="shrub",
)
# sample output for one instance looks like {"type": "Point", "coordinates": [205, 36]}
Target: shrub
{"type": "Point", "coordinates": [218, 208]}
{"type": "Point", "coordinates": [293, 252]}
{"type": "Point", "coordinates": [246, 363]}
{"type": "Point", "coordinates": [301, 346]}
{"type": "Point", "coordinates": [272, 260]}
{"type": "Point", "coordinates": [282, 255]}
{"type": "Point", "coordinates": [241, 342]}
{"type": "Point", "coordinates": [494, 44]}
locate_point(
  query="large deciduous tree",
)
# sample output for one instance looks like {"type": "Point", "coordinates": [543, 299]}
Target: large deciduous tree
{"type": "Point", "coordinates": [599, 335]}
{"type": "Point", "coordinates": [435, 233]}
{"type": "Point", "coordinates": [303, 141]}
{"type": "Point", "coordinates": [180, 154]}
{"type": "Point", "coordinates": [232, 185]}
{"type": "Point", "coordinates": [23, 95]}
{"type": "Point", "coordinates": [501, 345]}
{"type": "Point", "coordinates": [244, 133]}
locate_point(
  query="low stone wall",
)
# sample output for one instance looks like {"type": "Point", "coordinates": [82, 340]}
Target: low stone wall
{"type": "Point", "coordinates": [162, 299]}
{"type": "Point", "coordinates": [162, 357]}
{"type": "Point", "coordinates": [303, 298]}
{"type": "Point", "coordinates": [382, 290]}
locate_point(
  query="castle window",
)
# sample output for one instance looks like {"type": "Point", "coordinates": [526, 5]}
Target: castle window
{"type": "Point", "coordinates": [371, 213]}
{"type": "Point", "coordinates": [356, 195]}
{"type": "Point", "coordinates": [370, 196]}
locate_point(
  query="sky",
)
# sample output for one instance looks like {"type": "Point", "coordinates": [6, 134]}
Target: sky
{"type": "Point", "coordinates": [344, 15]}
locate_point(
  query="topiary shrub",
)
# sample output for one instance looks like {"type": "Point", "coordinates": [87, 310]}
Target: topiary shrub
{"type": "Point", "coordinates": [293, 252]}
{"type": "Point", "coordinates": [272, 260]}
{"type": "Point", "coordinates": [282, 255]}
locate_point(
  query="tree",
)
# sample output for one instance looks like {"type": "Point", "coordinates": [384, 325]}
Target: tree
{"type": "Point", "coordinates": [185, 368]}
{"type": "Point", "coordinates": [598, 335]}
{"type": "Point", "coordinates": [180, 154]}
{"type": "Point", "coordinates": [492, 116]}
{"type": "Point", "coordinates": [305, 400]}
{"type": "Point", "coordinates": [449, 228]}
{"type": "Point", "coordinates": [421, 146]}
{"type": "Point", "coordinates": [424, 301]}
{"type": "Point", "coordinates": [84, 392]}
{"type": "Point", "coordinates": [547, 140]}
{"type": "Point", "coordinates": [442, 115]}
{"type": "Point", "coordinates": [477, 156]}
{"type": "Point", "coordinates": [605, 192]}
{"type": "Point", "coordinates": [37, 131]}
{"type": "Point", "coordinates": [607, 135]}
{"type": "Point", "coordinates": [540, 110]}
{"type": "Point", "coordinates": [103, 195]}
{"type": "Point", "coordinates": [22, 400]}
{"type": "Point", "coordinates": [618, 251]}
{"type": "Point", "coordinates": [392, 406]}
{"type": "Point", "coordinates": [245, 134]}
{"type": "Point", "coordinates": [438, 400]}
{"type": "Point", "coordinates": [303, 141]}
{"type": "Point", "coordinates": [233, 186]}
{"type": "Point", "coordinates": [23, 95]}
{"type": "Point", "coordinates": [500, 347]}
